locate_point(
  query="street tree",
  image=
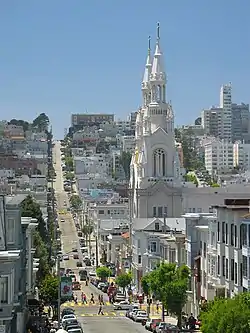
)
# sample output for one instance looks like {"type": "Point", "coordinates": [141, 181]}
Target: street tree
{"type": "Point", "coordinates": [103, 272]}
{"type": "Point", "coordinates": [124, 280]}
{"type": "Point", "coordinates": [49, 288]}
{"type": "Point", "coordinates": [125, 161]}
{"type": "Point", "coordinates": [69, 163]}
{"type": "Point", "coordinates": [169, 283]}
{"type": "Point", "coordinates": [69, 176]}
{"type": "Point", "coordinates": [227, 315]}
{"type": "Point", "coordinates": [75, 202]}
{"type": "Point", "coordinates": [43, 255]}
{"type": "Point", "coordinates": [145, 284]}
{"type": "Point", "coordinates": [30, 208]}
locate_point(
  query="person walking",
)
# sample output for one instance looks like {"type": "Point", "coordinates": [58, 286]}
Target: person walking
{"type": "Point", "coordinates": [101, 300]}
{"type": "Point", "coordinates": [92, 299]}
{"type": "Point", "coordinates": [100, 311]}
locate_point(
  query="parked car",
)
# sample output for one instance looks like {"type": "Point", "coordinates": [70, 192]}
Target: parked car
{"type": "Point", "coordinates": [79, 264]}
{"type": "Point", "coordinates": [133, 313]}
{"type": "Point", "coordinates": [76, 286]}
{"type": "Point", "coordinates": [68, 317]}
{"type": "Point", "coordinates": [67, 311]}
{"type": "Point", "coordinates": [140, 316]}
{"type": "Point", "coordinates": [152, 324]}
{"type": "Point", "coordinates": [76, 256]}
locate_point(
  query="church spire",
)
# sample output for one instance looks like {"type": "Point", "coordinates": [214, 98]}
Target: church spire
{"type": "Point", "coordinates": [148, 67]}
{"type": "Point", "coordinates": [158, 72]}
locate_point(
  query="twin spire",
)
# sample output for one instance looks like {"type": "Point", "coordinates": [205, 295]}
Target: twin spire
{"type": "Point", "coordinates": [154, 70]}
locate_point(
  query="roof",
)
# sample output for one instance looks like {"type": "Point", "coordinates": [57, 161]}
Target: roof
{"type": "Point", "coordinates": [171, 222]}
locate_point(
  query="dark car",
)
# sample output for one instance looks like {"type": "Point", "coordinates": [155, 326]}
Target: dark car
{"type": "Point", "coordinates": [79, 264]}
{"type": "Point", "coordinates": [67, 311]}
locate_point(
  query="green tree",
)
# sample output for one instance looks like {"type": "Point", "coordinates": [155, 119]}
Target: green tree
{"type": "Point", "coordinates": [227, 315]}
{"type": "Point", "coordinates": [87, 230]}
{"type": "Point", "coordinates": [30, 208]}
{"type": "Point", "coordinates": [169, 283]}
{"type": "Point", "coordinates": [125, 161]}
{"type": "Point", "coordinates": [41, 122]}
{"type": "Point", "coordinates": [145, 284]}
{"type": "Point", "coordinates": [103, 272]}
{"type": "Point", "coordinates": [69, 163]}
{"type": "Point", "coordinates": [18, 122]}
{"type": "Point", "coordinates": [43, 255]}
{"type": "Point", "coordinates": [123, 280]}
{"type": "Point", "coordinates": [49, 288]}
{"type": "Point", "coordinates": [75, 202]}
{"type": "Point", "coordinates": [69, 176]}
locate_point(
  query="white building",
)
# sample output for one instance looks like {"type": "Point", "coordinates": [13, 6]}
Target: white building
{"type": "Point", "coordinates": [219, 156]}
{"type": "Point", "coordinates": [242, 156]}
{"type": "Point", "coordinates": [96, 163]}
{"type": "Point", "coordinates": [128, 143]}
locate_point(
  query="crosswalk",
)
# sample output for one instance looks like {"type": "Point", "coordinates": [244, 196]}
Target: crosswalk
{"type": "Point", "coordinates": [96, 304]}
{"type": "Point", "coordinates": [105, 314]}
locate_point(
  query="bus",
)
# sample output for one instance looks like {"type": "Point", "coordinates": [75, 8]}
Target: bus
{"type": "Point", "coordinates": [83, 273]}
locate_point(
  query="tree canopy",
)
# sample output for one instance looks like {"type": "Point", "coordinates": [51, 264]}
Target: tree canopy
{"type": "Point", "coordinates": [103, 272]}
{"type": "Point", "coordinates": [18, 122]}
{"type": "Point", "coordinates": [41, 122]}
{"type": "Point", "coordinates": [30, 208]}
{"type": "Point", "coordinates": [125, 161]}
{"type": "Point", "coordinates": [49, 288]}
{"type": "Point", "coordinates": [69, 163]}
{"type": "Point", "coordinates": [169, 283]}
{"type": "Point", "coordinates": [75, 202]}
{"type": "Point", "coordinates": [227, 315]}
{"type": "Point", "coordinates": [123, 280]}
{"type": "Point", "coordinates": [69, 176]}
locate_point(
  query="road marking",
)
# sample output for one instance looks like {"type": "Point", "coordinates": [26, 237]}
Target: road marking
{"type": "Point", "coordinates": [122, 314]}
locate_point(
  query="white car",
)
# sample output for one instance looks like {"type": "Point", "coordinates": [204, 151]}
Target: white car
{"type": "Point", "coordinates": [123, 305]}
{"type": "Point", "coordinates": [119, 297]}
{"type": "Point", "coordinates": [92, 274]}
{"type": "Point", "coordinates": [140, 316]}
{"type": "Point", "coordinates": [68, 318]}
{"type": "Point", "coordinates": [133, 313]}
{"type": "Point", "coordinates": [65, 257]}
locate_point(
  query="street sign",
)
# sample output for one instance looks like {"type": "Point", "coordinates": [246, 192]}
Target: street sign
{"type": "Point", "coordinates": [126, 262]}
{"type": "Point", "coordinates": [66, 287]}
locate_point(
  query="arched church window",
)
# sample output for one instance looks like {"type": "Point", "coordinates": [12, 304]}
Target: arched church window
{"type": "Point", "coordinates": [159, 163]}
{"type": "Point", "coordinates": [158, 93]}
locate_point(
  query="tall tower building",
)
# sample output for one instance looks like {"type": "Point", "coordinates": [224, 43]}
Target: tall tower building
{"type": "Point", "coordinates": [226, 115]}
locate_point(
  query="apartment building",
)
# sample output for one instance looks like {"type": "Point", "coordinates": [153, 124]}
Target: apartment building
{"type": "Point", "coordinates": [88, 119]}
{"type": "Point", "coordinates": [128, 143]}
{"type": "Point", "coordinates": [229, 121]}
{"type": "Point", "coordinates": [219, 156]}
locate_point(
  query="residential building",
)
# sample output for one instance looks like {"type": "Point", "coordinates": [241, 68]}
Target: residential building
{"type": "Point", "coordinates": [17, 263]}
{"type": "Point", "coordinates": [19, 165]}
{"type": "Point", "coordinates": [86, 119]}
{"type": "Point", "coordinates": [219, 156]}
{"type": "Point", "coordinates": [128, 143]}
{"type": "Point", "coordinates": [240, 121]}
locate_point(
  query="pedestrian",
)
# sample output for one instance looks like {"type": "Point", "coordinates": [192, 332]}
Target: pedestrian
{"type": "Point", "coordinates": [92, 299]}
{"type": "Point", "coordinates": [100, 310]}
{"type": "Point", "coordinates": [101, 300]}
{"type": "Point", "coordinates": [49, 311]}
{"type": "Point", "coordinates": [157, 306]}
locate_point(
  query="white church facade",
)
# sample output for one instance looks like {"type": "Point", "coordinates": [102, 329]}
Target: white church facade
{"type": "Point", "coordinates": [156, 183]}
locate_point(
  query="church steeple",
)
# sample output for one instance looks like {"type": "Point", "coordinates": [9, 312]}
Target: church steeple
{"type": "Point", "coordinates": [158, 71]}
{"type": "Point", "coordinates": [146, 76]}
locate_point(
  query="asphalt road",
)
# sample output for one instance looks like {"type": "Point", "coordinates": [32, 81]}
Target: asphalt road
{"type": "Point", "coordinates": [87, 314]}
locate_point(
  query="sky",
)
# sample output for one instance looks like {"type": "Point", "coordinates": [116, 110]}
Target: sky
{"type": "Point", "coordinates": [73, 56]}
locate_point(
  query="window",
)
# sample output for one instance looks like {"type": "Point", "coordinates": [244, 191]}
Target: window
{"type": "Point", "coordinates": [139, 259]}
{"type": "Point", "coordinates": [232, 269]}
{"type": "Point", "coordinates": [159, 163]}
{"type": "Point", "coordinates": [160, 211]}
{"type": "Point", "coordinates": [139, 243]}
{"type": "Point", "coordinates": [152, 247]}
{"type": "Point", "coordinates": [235, 236]}
{"type": "Point", "coordinates": [244, 234]}
{"type": "Point", "coordinates": [154, 212]}
{"type": "Point", "coordinates": [235, 272]}
{"type": "Point", "coordinates": [218, 231]}
{"type": "Point", "coordinates": [157, 226]}
{"type": "Point", "coordinates": [227, 268]}
{"type": "Point", "coordinates": [244, 268]}
{"type": "Point", "coordinates": [232, 234]}
{"type": "Point", "coordinates": [223, 232]}
{"type": "Point", "coordinates": [166, 211]}
{"type": "Point", "coordinates": [218, 265]}
{"type": "Point", "coordinates": [11, 231]}
{"type": "Point", "coordinates": [204, 250]}
{"type": "Point", "coordinates": [223, 265]}
{"type": "Point", "coordinates": [226, 232]}
{"type": "Point", "coordinates": [101, 211]}
{"type": "Point", "coordinates": [4, 289]}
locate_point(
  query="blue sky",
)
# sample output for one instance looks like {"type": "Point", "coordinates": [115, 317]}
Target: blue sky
{"type": "Point", "coordinates": [62, 57]}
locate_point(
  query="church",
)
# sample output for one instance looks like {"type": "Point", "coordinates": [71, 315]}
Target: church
{"type": "Point", "coordinates": [156, 182]}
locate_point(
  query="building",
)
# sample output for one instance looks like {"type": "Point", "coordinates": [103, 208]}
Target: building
{"type": "Point", "coordinates": [18, 268]}
{"type": "Point", "coordinates": [87, 119]}
{"type": "Point", "coordinates": [229, 121]}
{"type": "Point", "coordinates": [19, 165]}
{"type": "Point", "coordinates": [219, 156]}
{"type": "Point", "coordinates": [128, 143]}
